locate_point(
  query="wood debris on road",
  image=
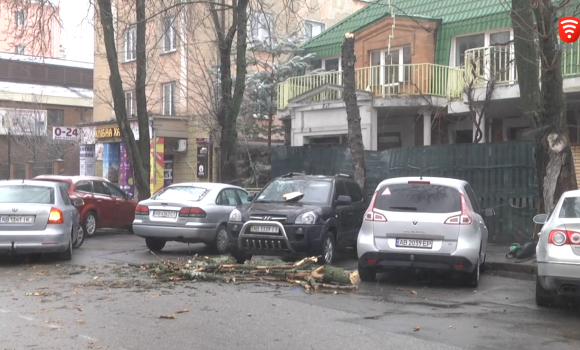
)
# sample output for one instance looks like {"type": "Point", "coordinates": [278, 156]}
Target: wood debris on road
{"type": "Point", "coordinates": [305, 273]}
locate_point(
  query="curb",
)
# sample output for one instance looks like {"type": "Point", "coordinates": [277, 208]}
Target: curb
{"type": "Point", "coordinates": [526, 268]}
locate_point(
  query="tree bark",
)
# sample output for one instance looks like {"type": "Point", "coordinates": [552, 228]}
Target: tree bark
{"type": "Point", "coordinates": [355, 141]}
{"type": "Point", "coordinates": [140, 171]}
{"type": "Point", "coordinates": [544, 107]}
{"type": "Point", "coordinates": [229, 104]}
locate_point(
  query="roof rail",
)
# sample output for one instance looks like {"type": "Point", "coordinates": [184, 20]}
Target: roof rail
{"type": "Point", "coordinates": [344, 175]}
{"type": "Point", "coordinates": [292, 174]}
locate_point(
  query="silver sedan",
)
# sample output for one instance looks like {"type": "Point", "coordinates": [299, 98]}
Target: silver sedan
{"type": "Point", "coordinates": [37, 217]}
{"type": "Point", "coordinates": [558, 251]}
{"type": "Point", "coordinates": [195, 212]}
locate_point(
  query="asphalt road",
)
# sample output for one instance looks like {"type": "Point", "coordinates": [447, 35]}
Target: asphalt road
{"type": "Point", "coordinates": [99, 302]}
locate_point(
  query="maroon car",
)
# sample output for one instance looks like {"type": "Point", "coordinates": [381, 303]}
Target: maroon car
{"type": "Point", "coordinates": [106, 205]}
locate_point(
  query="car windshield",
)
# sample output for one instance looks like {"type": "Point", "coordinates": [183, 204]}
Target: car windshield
{"type": "Point", "coordinates": [315, 191]}
{"type": "Point", "coordinates": [184, 193]}
{"type": "Point", "coordinates": [27, 194]}
{"type": "Point", "coordinates": [422, 198]}
{"type": "Point", "coordinates": [570, 208]}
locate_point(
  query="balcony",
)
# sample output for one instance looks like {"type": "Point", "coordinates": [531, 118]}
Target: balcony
{"type": "Point", "coordinates": [423, 79]}
{"type": "Point", "coordinates": [482, 65]}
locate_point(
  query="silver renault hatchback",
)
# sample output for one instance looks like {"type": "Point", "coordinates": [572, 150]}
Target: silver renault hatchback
{"type": "Point", "coordinates": [427, 223]}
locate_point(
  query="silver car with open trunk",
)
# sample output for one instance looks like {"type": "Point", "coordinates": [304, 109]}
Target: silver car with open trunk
{"type": "Point", "coordinates": [429, 223]}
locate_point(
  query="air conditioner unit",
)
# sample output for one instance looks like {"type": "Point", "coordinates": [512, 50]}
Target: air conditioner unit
{"type": "Point", "coordinates": [180, 146]}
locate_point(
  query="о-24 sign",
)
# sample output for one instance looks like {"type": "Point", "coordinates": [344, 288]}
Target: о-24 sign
{"type": "Point", "coordinates": [66, 133]}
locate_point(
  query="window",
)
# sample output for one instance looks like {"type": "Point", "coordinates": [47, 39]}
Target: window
{"type": "Point", "coordinates": [418, 198]}
{"type": "Point", "coordinates": [185, 193]}
{"type": "Point", "coordinates": [27, 194]}
{"type": "Point", "coordinates": [129, 104]}
{"type": "Point", "coordinates": [169, 99]}
{"type": "Point", "coordinates": [472, 198]}
{"type": "Point", "coordinates": [84, 186]}
{"type": "Point", "coordinates": [388, 140]}
{"type": "Point", "coordinates": [315, 191]}
{"type": "Point", "coordinates": [466, 43]}
{"type": "Point", "coordinates": [65, 198]}
{"type": "Point", "coordinates": [328, 64]}
{"type": "Point", "coordinates": [570, 208]}
{"type": "Point", "coordinates": [228, 197]}
{"type": "Point", "coordinates": [261, 26]}
{"type": "Point", "coordinates": [389, 67]}
{"type": "Point", "coordinates": [519, 133]}
{"type": "Point", "coordinates": [20, 49]}
{"type": "Point", "coordinates": [354, 191]}
{"type": "Point", "coordinates": [55, 117]}
{"type": "Point", "coordinates": [100, 188]}
{"type": "Point", "coordinates": [313, 28]}
{"type": "Point", "coordinates": [169, 35]}
{"type": "Point", "coordinates": [463, 136]}
{"type": "Point", "coordinates": [115, 191]}
{"type": "Point", "coordinates": [243, 196]}
{"type": "Point", "coordinates": [20, 18]}
{"type": "Point", "coordinates": [130, 44]}
{"type": "Point", "coordinates": [340, 190]}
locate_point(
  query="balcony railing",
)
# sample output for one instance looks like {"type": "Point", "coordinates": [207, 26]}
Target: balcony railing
{"type": "Point", "coordinates": [482, 65]}
{"type": "Point", "coordinates": [424, 79]}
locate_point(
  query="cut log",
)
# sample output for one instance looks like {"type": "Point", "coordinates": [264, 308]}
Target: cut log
{"type": "Point", "coordinates": [339, 275]}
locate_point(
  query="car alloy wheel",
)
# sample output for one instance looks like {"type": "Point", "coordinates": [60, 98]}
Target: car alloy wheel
{"type": "Point", "coordinates": [80, 237]}
{"type": "Point", "coordinates": [328, 250]}
{"type": "Point", "coordinates": [222, 243]}
{"type": "Point", "coordinates": [91, 224]}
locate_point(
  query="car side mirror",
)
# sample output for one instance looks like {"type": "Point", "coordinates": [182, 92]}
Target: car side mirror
{"type": "Point", "coordinates": [78, 202]}
{"type": "Point", "coordinates": [343, 200]}
{"type": "Point", "coordinates": [251, 196]}
{"type": "Point", "coordinates": [540, 219]}
{"type": "Point", "coordinates": [488, 212]}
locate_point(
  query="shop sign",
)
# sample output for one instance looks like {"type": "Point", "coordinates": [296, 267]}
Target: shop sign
{"type": "Point", "coordinates": [107, 133]}
{"type": "Point", "coordinates": [87, 160]}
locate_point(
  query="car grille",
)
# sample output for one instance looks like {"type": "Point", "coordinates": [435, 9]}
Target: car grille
{"type": "Point", "coordinates": [265, 217]}
{"type": "Point", "coordinates": [265, 244]}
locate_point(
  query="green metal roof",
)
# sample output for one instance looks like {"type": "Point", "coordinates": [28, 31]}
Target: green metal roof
{"type": "Point", "coordinates": [457, 17]}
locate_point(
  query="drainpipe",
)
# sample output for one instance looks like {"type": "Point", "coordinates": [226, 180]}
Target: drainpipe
{"type": "Point", "coordinates": [154, 152]}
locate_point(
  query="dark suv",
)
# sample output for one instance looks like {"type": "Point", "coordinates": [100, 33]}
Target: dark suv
{"type": "Point", "coordinates": [296, 215]}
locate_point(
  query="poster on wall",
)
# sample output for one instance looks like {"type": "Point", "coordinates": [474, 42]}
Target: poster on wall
{"type": "Point", "coordinates": [126, 181]}
{"type": "Point", "coordinates": [111, 161]}
{"type": "Point", "coordinates": [157, 164]}
{"type": "Point", "coordinates": [202, 161]}
{"type": "Point", "coordinates": [87, 160]}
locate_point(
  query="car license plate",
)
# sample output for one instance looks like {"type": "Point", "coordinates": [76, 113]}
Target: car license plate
{"type": "Point", "coordinates": [165, 214]}
{"type": "Point", "coordinates": [414, 243]}
{"type": "Point", "coordinates": [265, 229]}
{"type": "Point", "coordinates": [17, 219]}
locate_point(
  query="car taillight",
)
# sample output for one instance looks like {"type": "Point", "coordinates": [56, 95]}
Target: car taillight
{"type": "Point", "coordinates": [371, 215]}
{"type": "Point", "coordinates": [192, 212]}
{"type": "Point", "coordinates": [561, 237]}
{"type": "Point", "coordinates": [55, 216]}
{"type": "Point", "coordinates": [141, 210]}
{"type": "Point", "coordinates": [466, 217]}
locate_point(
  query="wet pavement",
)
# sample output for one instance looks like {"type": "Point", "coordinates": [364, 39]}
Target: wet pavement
{"type": "Point", "coordinates": [99, 301]}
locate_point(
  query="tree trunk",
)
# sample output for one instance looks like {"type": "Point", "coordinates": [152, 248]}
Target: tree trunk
{"type": "Point", "coordinates": [229, 105]}
{"type": "Point", "coordinates": [287, 132]}
{"type": "Point", "coordinates": [140, 172]}
{"type": "Point", "coordinates": [355, 142]}
{"type": "Point", "coordinates": [144, 142]}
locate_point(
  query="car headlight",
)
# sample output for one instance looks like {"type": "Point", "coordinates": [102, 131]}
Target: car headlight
{"type": "Point", "coordinates": [235, 215]}
{"type": "Point", "coordinates": [308, 218]}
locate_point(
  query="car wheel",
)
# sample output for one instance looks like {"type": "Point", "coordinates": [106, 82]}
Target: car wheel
{"type": "Point", "coordinates": [544, 297]}
{"type": "Point", "coordinates": [221, 242]}
{"type": "Point", "coordinates": [90, 224]}
{"type": "Point", "coordinates": [327, 249]}
{"type": "Point", "coordinates": [482, 265]}
{"type": "Point", "coordinates": [472, 278]}
{"type": "Point", "coordinates": [80, 237]}
{"type": "Point", "coordinates": [155, 245]}
{"type": "Point", "coordinates": [367, 274]}
{"type": "Point", "coordinates": [67, 254]}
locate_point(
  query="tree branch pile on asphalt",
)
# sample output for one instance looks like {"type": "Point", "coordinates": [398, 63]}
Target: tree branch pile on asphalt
{"type": "Point", "coordinates": [305, 273]}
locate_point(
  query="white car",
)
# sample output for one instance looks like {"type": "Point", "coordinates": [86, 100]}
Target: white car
{"type": "Point", "coordinates": [427, 223]}
{"type": "Point", "coordinates": [558, 251]}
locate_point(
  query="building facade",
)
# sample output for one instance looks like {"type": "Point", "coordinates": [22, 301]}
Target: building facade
{"type": "Point", "coordinates": [182, 80]}
{"type": "Point", "coordinates": [421, 79]}
{"type": "Point", "coordinates": [41, 102]}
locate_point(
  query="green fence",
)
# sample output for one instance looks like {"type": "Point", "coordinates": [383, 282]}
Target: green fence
{"type": "Point", "coordinates": [503, 175]}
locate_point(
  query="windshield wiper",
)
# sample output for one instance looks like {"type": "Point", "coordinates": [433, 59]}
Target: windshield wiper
{"type": "Point", "coordinates": [404, 208]}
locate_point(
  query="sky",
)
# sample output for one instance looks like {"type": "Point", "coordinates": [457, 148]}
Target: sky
{"type": "Point", "coordinates": [77, 33]}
